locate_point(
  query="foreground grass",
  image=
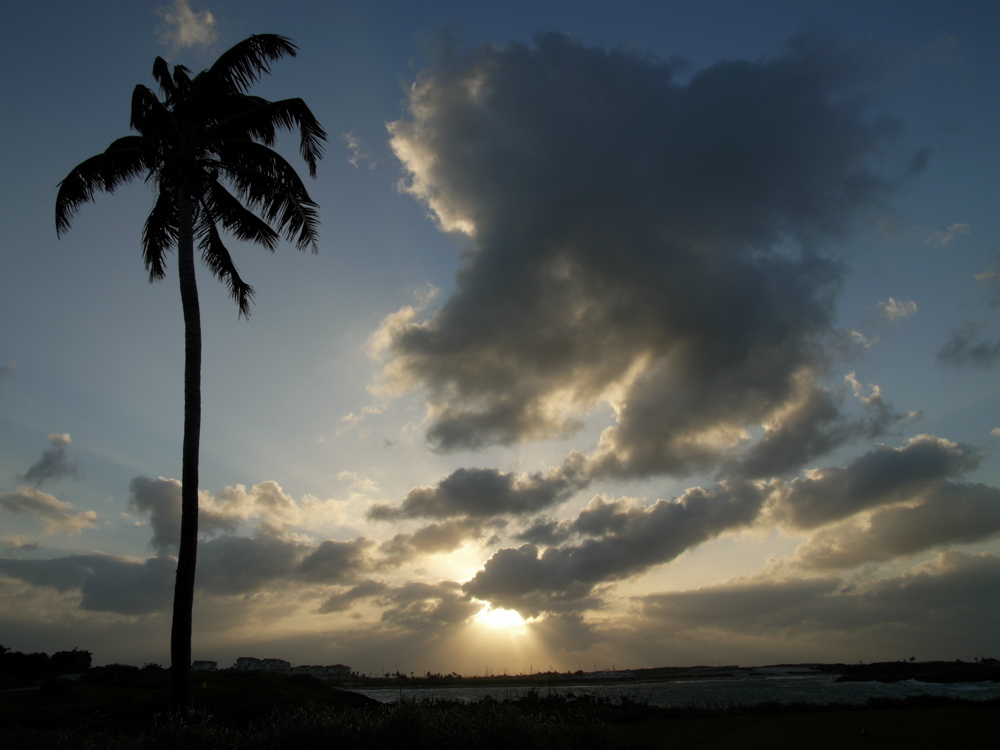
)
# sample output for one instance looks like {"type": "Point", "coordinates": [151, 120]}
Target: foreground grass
{"type": "Point", "coordinates": [260, 711]}
{"type": "Point", "coordinates": [912, 728]}
{"type": "Point", "coordinates": [410, 725]}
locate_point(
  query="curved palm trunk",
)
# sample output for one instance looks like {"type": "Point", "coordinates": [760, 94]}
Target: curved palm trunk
{"type": "Point", "coordinates": [180, 634]}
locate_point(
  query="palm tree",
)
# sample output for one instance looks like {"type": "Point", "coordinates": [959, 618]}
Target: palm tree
{"type": "Point", "coordinates": [206, 149]}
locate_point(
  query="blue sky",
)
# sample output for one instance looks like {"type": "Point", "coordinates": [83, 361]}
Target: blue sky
{"type": "Point", "coordinates": [670, 326]}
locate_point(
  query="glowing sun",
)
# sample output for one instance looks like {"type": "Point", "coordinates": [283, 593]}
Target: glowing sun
{"type": "Point", "coordinates": [502, 619]}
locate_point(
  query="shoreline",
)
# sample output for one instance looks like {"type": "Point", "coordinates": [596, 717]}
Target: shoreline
{"type": "Point", "coordinates": [940, 672]}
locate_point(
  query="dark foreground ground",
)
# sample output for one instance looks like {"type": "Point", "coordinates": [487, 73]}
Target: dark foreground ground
{"type": "Point", "coordinates": [931, 727]}
{"type": "Point", "coordinates": [254, 710]}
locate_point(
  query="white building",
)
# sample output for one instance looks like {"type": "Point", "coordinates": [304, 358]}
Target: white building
{"type": "Point", "coordinates": [252, 663]}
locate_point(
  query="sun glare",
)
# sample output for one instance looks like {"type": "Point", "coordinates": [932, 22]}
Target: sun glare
{"type": "Point", "coordinates": [502, 619]}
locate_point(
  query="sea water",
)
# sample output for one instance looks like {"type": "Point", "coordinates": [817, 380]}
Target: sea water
{"type": "Point", "coordinates": [715, 693]}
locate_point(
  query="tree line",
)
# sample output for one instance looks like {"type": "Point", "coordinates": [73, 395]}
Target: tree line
{"type": "Point", "coordinates": [16, 664]}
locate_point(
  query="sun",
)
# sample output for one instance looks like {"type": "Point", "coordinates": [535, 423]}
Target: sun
{"type": "Point", "coordinates": [501, 619]}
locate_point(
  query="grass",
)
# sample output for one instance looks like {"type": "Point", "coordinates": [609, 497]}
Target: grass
{"type": "Point", "coordinates": [258, 711]}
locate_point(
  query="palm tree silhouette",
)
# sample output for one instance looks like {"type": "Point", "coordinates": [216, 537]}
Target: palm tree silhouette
{"type": "Point", "coordinates": [206, 148]}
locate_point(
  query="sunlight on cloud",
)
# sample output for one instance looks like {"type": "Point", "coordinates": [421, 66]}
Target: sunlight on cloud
{"type": "Point", "coordinates": [55, 515]}
{"type": "Point", "coordinates": [895, 310]}
{"type": "Point", "coordinates": [948, 236]}
{"type": "Point", "coordinates": [184, 27]}
{"type": "Point", "coordinates": [359, 153]}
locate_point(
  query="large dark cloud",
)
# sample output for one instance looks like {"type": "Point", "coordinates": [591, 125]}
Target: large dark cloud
{"type": "Point", "coordinates": [337, 562]}
{"type": "Point", "coordinates": [954, 597]}
{"type": "Point", "coordinates": [621, 539]}
{"type": "Point", "coordinates": [227, 565]}
{"type": "Point", "coordinates": [105, 583]}
{"type": "Point", "coordinates": [635, 238]}
{"type": "Point", "coordinates": [882, 476]}
{"type": "Point", "coordinates": [241, 565]}
{"type": "Point", "coordinates": [947, 514]}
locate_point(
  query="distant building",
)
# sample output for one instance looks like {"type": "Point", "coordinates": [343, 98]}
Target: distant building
{"type": "Point", "coordinates": [330, 671]}
{"type": "Point", "coordinates": [204, 666]}
{"type": "Point", "coordinates": [252, 663]}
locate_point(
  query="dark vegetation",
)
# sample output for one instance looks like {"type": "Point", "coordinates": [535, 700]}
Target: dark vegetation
{"type": "Point", "coordinates": [18, 669]}
{"type": "Point", "coordinates": [121, 706]}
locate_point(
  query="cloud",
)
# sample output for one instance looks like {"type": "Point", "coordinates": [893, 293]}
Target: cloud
{"type": "Point", "coordinates": [953, 598]}
{"type": "Point", "coordinates": [359, 153]}
{"type": "Point", "coordinates": [56, 516]}
{"type": "Point", "coordinates": [337, 562]}
{"type": "Point", "coordinates": [243, 565]}
{"type": "Point", "coordinates": [415, 607]}
{"type": "Point", "coordinates": [634, 240]}
{"type": "Point", "coordinates": [7, 369]}
{"type": "Point", "coordinates": [970, 346]}
{"type": "Point", "coordinates": [812, 423]}
{"type": "Point", "coordinates": [948, 236]}
{"type": "Point", "coordinates": [486, 493]}
{"type": "Point", "coordinates": [54, 464]}
{"type": "Point", "coordinates": [161, 499]}
{"type": "Point", "coordinates": [947, 514]}
{"type": "Point", "coordinates": [621, 539]}
{"type": "Point", "coordinates": [434, 539]}
{"type": "Point", "coordinates": [989, 275]}
{"type": "Point", "coordinates": [106, 583]}
{"type": "Point", "coordinates": [418, 606]}
{"type": "Point", "coordinates": [183, 27]}
{"type": "Point", "coordinates": [882, 476]}
{"type": "Point", "coordinates": [895, 310]}
{"type": "Point", "coordinates": [266, 502]}
{"type": "Point", "coordinates": [344, 600]}
{"type": "Point", "coordinates": [975, 344]}
{"type": "Point", "coordinates": [13, 543]}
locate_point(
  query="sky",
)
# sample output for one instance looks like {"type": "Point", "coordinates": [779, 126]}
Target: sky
{"type": "Point", "coordinates": [639, 334]}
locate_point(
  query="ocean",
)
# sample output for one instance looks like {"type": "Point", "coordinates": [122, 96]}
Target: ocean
{"type": "Point", "coordinates": [781, 685]}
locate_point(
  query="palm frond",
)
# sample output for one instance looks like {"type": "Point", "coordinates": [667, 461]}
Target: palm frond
{"type": "Point", "coordinates": [159, 235]}
{"type": "Point", "coordinates": [241, 66]}
{"type": "Point", "coordinates": [236, 219]}
{"type": "Point", "coordinates": [275, 190]}
{"type": "Point", "coordinates": [149, 116]}
{"type": "Point", "coordinates": [124, 160]}
{"type": "Point", "coordinates": [182, 79]}
{"type": "Point", "coordinates": [250, 156]}
{"type": "Point", "coordinates": [259, 119]}
{"type": "Point", "coordinates": [161, 74]}
{"type": "Point", "coordinates": [216, 256]}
